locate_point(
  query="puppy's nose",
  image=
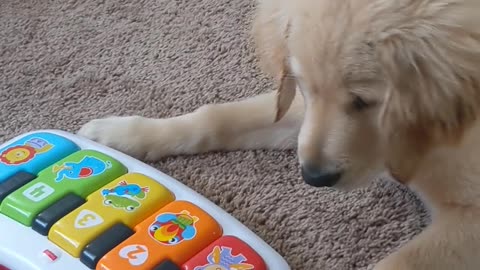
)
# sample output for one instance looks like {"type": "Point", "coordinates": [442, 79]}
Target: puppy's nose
{"type": "Point", "coordinates": [320, 178]}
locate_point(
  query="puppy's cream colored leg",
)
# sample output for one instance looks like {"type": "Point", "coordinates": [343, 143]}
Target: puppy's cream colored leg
{"type": "Point", "coordinates": [451, 242]}
{"type": "Point", "coordinates": [246, 124]}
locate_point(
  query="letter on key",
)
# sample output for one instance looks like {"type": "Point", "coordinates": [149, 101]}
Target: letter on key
{"type": "Point", "coordinates": [128, 199]}
{"type": "Point", "coordinates": [81, 173]}
{"type": "Point", "coordinates": [176, 232]}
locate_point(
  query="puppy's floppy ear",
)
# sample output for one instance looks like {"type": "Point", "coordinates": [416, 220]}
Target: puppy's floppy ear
{"type": "Point", "coordinates": [433, 88]}
{"type": "Point", "coordinates": [270, 33]}
{"type": "Point", "coordinates": [269, 30]}
{"type": "Point", "coordinates": [285, 93]}
{"type": "Point", "coordinates": [433, 80]}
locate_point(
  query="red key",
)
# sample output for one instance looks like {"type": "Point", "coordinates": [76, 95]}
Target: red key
{"type": "Point", "coordinates": [228, 252]}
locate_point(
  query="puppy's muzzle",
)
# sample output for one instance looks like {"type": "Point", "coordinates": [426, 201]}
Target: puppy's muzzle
{"type": "Point", "coordinates": [319, 177]}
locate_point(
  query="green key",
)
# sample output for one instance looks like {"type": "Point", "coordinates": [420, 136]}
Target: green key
{"type": "Point", "coordinates": [82, 173]}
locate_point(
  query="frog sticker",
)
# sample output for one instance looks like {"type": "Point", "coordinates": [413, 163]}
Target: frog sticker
{"type": "Point", "coordinates": [125, 196]}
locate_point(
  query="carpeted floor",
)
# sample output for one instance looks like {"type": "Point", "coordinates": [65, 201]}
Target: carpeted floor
{"type": "Point", "coordinates": [63, 63]}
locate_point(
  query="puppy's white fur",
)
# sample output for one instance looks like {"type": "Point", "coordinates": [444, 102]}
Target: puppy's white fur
{"type": "Point", "coordinates": [382, 85]}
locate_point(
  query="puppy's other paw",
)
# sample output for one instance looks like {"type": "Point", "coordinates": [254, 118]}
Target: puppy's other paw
{"type": "Point", "coordinates": [126, 134]}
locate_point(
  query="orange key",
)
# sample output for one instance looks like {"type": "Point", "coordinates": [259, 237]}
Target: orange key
{"type": "Point", "coordinates": [176, 232]}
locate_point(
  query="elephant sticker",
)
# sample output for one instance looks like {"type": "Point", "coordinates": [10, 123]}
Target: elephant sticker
{"type": "Point", "coordinates": [87, 167]}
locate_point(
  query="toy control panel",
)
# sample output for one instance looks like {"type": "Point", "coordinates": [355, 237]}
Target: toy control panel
{"type": "Point", "coordinates": [70, 203]}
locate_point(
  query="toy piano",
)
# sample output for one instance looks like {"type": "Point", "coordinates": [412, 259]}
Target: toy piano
{"type": "Point", "coordinates": [70, 203]}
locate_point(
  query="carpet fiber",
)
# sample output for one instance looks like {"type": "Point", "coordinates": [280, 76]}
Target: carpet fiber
{"type": "Point", "coordinates": [63, 63]}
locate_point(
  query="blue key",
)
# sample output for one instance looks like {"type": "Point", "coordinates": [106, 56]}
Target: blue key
{"type": "Point", "coordinates": [33, 153]}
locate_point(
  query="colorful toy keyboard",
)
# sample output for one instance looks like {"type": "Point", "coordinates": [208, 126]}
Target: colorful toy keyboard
{"type": "Point", "coordinates": [68, 203]}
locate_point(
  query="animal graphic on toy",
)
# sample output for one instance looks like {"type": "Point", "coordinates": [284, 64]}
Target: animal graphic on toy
{"type": "Point", "coordinates": [87, 167]}
{"type": "Point", "coordinates": [223, 259]}
{"type": "Point", "coordinates": [125, 196]}
{"type": "Point", "coordinates": [20, 154]}
{"type": "Point", "coordinates": [172, 229]}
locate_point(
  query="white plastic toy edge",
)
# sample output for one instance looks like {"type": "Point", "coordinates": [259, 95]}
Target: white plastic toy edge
{"type": "Point", "coordinates": [21, 248]}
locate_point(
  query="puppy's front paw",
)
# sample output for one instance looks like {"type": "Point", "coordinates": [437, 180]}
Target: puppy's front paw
{"type": "Point", "coordinates": [126, 134]}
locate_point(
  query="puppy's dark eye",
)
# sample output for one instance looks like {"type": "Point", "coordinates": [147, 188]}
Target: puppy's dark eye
{"type": "Point", "coordinates": [359, 104]}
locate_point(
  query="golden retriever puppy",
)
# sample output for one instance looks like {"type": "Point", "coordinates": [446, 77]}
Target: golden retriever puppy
{"type": "Point", "coordinates": [363, 86]}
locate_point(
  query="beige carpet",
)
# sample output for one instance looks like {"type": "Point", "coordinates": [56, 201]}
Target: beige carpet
{"type": "Point", "coordinates": [65, 62]}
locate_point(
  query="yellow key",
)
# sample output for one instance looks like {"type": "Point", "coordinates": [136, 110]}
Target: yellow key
{"type": "Point", "coordinates": [129, 199]}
